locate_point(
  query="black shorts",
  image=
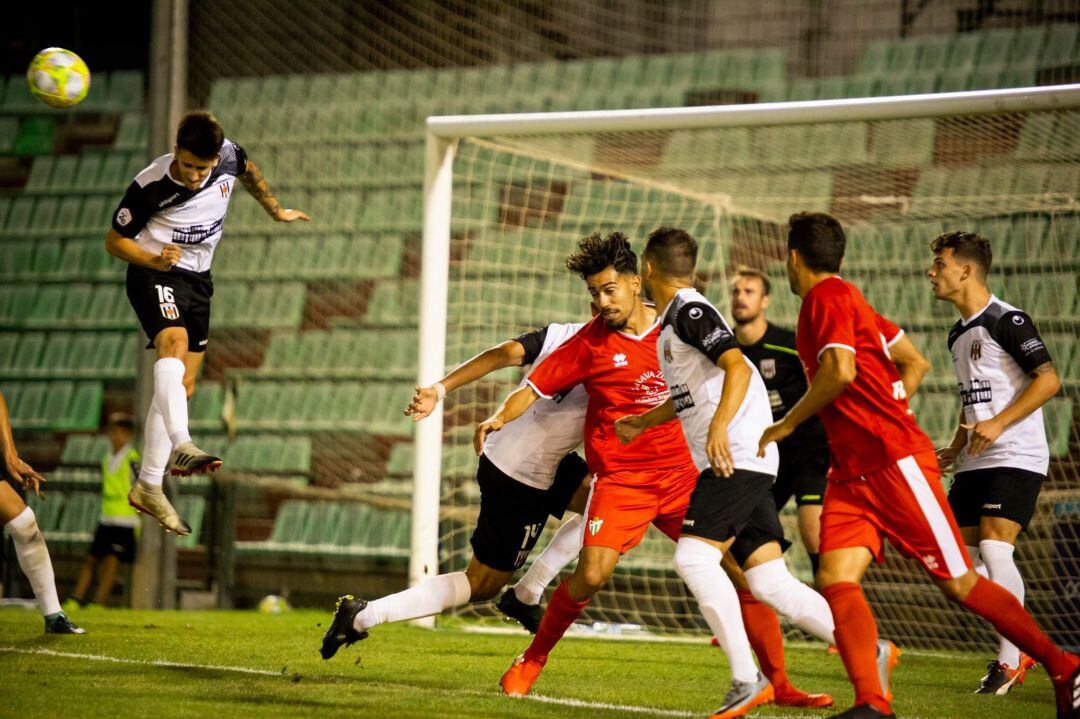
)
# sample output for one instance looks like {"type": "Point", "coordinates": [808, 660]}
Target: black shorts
{"type": "Point", "coordinates": [739, 506]}
{"type": "Point", "coordinates": [997, 492]}
{"type": "Point", "coordinates": [111, 539]}
{"type": "Point", "coordinates": [177, 298]}
{"type": "Point", "coordinates": [513, 515]}
{"type": "Point", "coordinates": [802, 475]}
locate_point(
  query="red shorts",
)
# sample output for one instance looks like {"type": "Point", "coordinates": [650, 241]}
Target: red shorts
{"type": "Point", "coordinates": [622, 505]}
{"type": "Point", "coordinates": [905, 503]}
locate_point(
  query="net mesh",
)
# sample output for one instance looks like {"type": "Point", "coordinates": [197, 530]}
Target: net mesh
{"type": "Point", "coordinates": [522, 202]}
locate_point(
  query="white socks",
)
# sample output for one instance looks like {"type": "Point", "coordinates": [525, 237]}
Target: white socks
{"type": "Point", "coordinates": [156, 448]}
{"type": "Point", "coordinates": [34, 559]}
{"type": "Point", "coordinates": [698, 563]}
{"type": "Point", "coordinates": [170, 398]}
{"type": "Point", "coordinates": [774, 585]}
{"type": "Point", "coordinates": [423, 600]}
{"type": "Point", "coordinates": [563, 548]}
{"type": "Point", "coordinates": [998, 557]}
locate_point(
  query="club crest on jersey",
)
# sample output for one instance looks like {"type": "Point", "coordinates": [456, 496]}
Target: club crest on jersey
{"type": "Point", "coordinates": [169, 310]}
{"type": "Point", "coordinates": [976, 351]}
{"type": "Point", "coordinates": [594, 525]}
{"type": "Point", "coordinates": [620, 360]}
{"type": "Point", "coordinates": [667, 351]}
{"type": "Point", "coordinates": [768, 368]}
{"type": "Point", "coordinates": [224, 187]}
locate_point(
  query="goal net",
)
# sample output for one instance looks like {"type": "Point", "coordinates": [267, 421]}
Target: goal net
{"type": "Point", "coordinates": [896, 171]}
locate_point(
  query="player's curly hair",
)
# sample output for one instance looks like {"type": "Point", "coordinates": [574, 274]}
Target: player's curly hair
{"type": "Point", "coordinates": [966, 246]}
{"type": "Point", "coordinates": [595, 254]}
{"type": "Point", "coordinates": [200, 134]}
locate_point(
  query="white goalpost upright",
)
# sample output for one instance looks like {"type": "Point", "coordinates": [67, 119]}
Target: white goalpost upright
{"type": "Point", "coordinates": [505, 196]}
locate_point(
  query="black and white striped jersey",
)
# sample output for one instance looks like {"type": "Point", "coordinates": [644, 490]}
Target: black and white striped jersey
{"type": "Point", "coordinates": [530, 448]}
{"type": "Point", "coordinates": [993, 354]}
{"type": "Point", "coordinates": [157, 210]}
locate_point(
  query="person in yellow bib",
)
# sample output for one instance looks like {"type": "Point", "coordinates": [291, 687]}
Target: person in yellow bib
{"type": "Point", "coordinates": [114, 540]}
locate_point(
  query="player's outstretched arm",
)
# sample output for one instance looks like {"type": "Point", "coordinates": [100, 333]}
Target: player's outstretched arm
{"type": "Point", "coordinates": [1044, 385]}
{"type": "Point", "coordinates": [836, 370]}
{"type": "Point", "coordinates": [737, 376]}
{"type": "Point", "coordinates": [256, 185]}
{"type": "Point", "coordinates": [18, 470]}
{"type": "Point", "coordinates": [508, 354]}
{"type": "Point", "coordinates": [629, 427]}
{"type": "Point", "coordinates": [126, 249]}
{"type": "Point", "coordinates": [910, 363]}
{"type": "Point", "coordinates": [515, 405]}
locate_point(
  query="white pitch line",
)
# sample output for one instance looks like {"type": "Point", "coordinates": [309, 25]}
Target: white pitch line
{"type": "Point", "coordinates": [141, 662]}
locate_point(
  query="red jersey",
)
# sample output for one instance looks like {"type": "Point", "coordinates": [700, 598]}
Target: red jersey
{"type": "Point", "coordinates": [869, 426]}
{"type": "Point", "coordinates": [621, 374]}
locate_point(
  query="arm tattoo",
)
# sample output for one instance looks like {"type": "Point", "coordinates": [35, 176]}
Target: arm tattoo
{"type": "Point", "coordinates": [254, 182]}
{"type": "Point", "coordinates": [1042, 369]}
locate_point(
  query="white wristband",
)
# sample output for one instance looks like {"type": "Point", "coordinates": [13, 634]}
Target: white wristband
{"type": "Point", "coordinates": [440, 391]}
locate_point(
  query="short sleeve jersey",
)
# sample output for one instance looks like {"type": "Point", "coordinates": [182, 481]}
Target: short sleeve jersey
{"type": "Point", "coordinates": [777, 361]}
{"type": "Point", "coordinates": [693, 338]}
{"type": "Point", "coordinates": [869, 425]}
{"type": "Point", "coordinates": [530, 448]}
{"type": "Point", "coordinates": [157, 210]}
{"type": "Point", "coordinates": [621, 375]}
{"type": "Point", "coordinates": [993, 354]}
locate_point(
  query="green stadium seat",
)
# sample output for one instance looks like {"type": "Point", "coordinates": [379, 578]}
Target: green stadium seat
{"type": "Point", "coordinates": [394, 303]}
{"type": "Point", "coordinates": [28, 357]}
{"type": "Point", "coordinates": [40, 172]}
{"type": "Point", "coordinates": [9, 131]}
{"type": "Point", "coordinates": [126, 90]}
{"type": "Point", "coordinates": [47, 258]}
{"type": "Point", "coordinates": [35, 136]}
{"type": "Point", "coordinates": [88, 172]}
{"type": "Point", "coordinates": [114, 174]}
{"type": "Point", "coordinates": [1061, 45]}
{"type": "Point", "coordinates": [95, 216]}
{"type": "Point", "coordinates": [1027, 46]}
{"type": "Point", "coordinates": [192, 508]}
{"type": "Point", "coordinates": [205, 407]}
{"type": "Point", "coordinates": [1058, 417]}
{"type": "Point", "coordinates": [965, 50]}
{"type": "Point", "coordinates": [54, 357]}
{"type": "Point", "coordinates": [48, 512]}
{"type": "Point", "coordinates": [63, 173]}
{"type": "Point", "coordinates": [66, 220]}
{"type": "Point", "coordinates": [933, 53]}
{"type": "Point", "coordinates": [996, 47]}
{"type": "Point", "coordinates": [20, 216]}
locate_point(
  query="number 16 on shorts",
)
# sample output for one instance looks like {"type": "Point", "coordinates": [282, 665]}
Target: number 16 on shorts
{"type": "Point", "coordinates": [167, 302]}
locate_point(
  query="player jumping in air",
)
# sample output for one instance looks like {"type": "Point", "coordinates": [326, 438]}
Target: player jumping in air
{"type": "Point", "coordinates": [884, 479]}
{"type": "Point", "coordinates": [804, 456]}
{"type": "Point", "coordinates": [526, 474]}
{"type": "Point", "coordinates": [22, 527]}
{"type": "Point", "coordinates": [166, 228]}
{"type": "Point", "coordinates": [614, 359]}
{"type": "Point", "coordinates": [999, 450]}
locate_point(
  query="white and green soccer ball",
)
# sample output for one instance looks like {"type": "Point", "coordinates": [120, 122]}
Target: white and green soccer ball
{"type": "Point", "coordinates": [273, 604]}
{"type": "Point", "coordinates": [58, 77]}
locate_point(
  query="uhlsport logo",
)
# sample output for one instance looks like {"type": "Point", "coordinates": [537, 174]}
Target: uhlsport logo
{"type": "Point", "coordinates": [594, 525]}
{"type": "Point", "coordinates": [620, 360]}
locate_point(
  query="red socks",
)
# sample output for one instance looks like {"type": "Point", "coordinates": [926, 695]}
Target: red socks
{"type": "Point", "coordinates": [766, 639]}
{"type": "Point", "coordinates": [856, 638]}
{"type": "Point", "coordinates": [561, 612]}
{"type": "Point", "coordinates": [999, 607]}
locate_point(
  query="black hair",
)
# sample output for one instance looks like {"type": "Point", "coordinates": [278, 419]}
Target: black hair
{"type": "Point", "coordinates": [200, 134]}
{"type": "Point", "coordinates": [966, 246]}
{"type": "Point", "coordinates": [818, 238]}
{"type": "Point", "coordinates": [595, 254]}
{"type": "Point", "coordinates": [674, 251]}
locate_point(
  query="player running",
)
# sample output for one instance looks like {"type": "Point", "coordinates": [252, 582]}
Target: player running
{"type": "Point", "coordinates": [614, 358]}
{"type": "Point", "coordinates": [525, 474]}
{"type": "Point", "coordinates": [883, 479]}
{"type": "Point", "coordinates": [723, 406]}
{"type": "Point", "coordinates": [804, 456]}
{"type": "Point", "coordinates": [22, 527]}
{"type": "Point", "coordinates": [1000, 452]}
{"type": "Point", "coordinates": [166, 228]}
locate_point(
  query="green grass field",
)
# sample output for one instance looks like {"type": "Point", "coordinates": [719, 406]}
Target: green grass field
{"type": "Point", "coordinates": [244, 664]}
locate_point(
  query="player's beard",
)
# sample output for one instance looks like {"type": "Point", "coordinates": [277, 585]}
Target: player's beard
{"type": "Point", "coordinates": [744, 320]}
{"type": "Point", "coordinates": [616, 322]}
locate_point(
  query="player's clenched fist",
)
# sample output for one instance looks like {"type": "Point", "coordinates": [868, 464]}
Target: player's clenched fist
{"type": "Point", "coordinates": [492, 424]}
{"type": "Point", "coordinates": [170, 255]}
{"type": "Point", "coordinates": [629, 427]}
{"type": "Point", "coordinates": [773, 433]}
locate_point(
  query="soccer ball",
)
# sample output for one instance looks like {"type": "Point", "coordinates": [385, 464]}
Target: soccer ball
{"type": "Point", "coordinates": [58, 77]}
{"type": "Point", "coordinates": [273, 604]}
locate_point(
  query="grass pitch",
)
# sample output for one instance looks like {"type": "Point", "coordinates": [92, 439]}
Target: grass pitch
{"type": "Point", "coordinates": [244, 664]}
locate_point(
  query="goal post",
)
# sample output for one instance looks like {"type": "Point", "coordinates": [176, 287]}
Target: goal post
{"type": "Point", "coordinates": [508, 196]}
